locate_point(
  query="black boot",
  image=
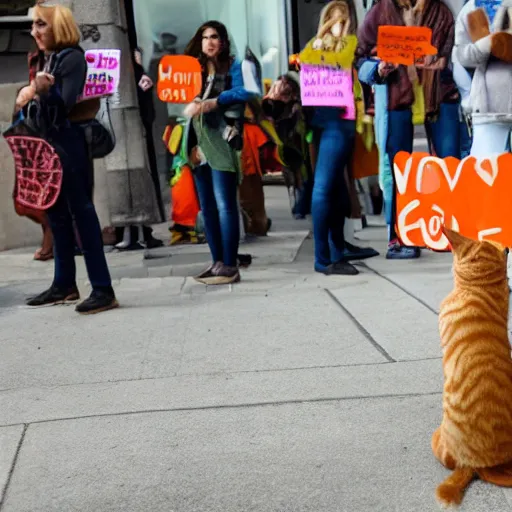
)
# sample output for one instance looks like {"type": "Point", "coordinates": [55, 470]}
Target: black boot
{"type": "Point", "coordinates": [99, 300]}
{"type": "Point", "coordinates": [54, 296]}
{"type": "Point", "coordinates": [149, 240]}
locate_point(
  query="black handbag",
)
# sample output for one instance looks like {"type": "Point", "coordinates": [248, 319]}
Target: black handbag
{"type": "Point", "coordinates": [99, 133]}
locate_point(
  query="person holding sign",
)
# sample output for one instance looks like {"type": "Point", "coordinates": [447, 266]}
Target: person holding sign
{"type": "Point", "coordinates": [218, 176]}
{"type": "Point", "coordinates": [483, 46]}
{"type": "Point", "coordinates": [414, 85]}
{"type": "Point", "coordinates": [327, 85]}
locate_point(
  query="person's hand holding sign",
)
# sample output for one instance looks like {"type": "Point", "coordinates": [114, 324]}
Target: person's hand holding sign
{"type": "Point", "coordinates": [385, 69]}
{"type": "Point", "coordinates": [432, 62]}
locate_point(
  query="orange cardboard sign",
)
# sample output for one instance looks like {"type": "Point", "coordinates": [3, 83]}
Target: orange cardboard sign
{"type": "Point", "coordinates": [471, 196]}
{"type": "Point", "coordinates": [404, 45]}
{"type": "Point", "coordinates": [179, 79]}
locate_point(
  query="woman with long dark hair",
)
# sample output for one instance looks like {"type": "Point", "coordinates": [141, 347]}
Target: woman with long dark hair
{"type": "Point", "coordinates": [215, 112]}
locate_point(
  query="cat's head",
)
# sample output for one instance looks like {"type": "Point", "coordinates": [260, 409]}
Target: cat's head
{"type": "Point", "coordinates": [477, 262]}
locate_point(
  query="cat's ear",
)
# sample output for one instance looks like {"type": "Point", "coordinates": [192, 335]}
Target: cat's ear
{"type": "Point", "coordinates": [457, 241]}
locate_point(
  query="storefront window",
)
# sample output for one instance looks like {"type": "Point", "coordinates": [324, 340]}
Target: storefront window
{"type": "Point", "coordinates": [164, 27]}
{"type": "Point", "coordinates": [15, 40]}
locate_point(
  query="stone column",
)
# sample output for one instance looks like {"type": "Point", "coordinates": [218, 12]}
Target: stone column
{"type": "Point", "coordinates": [124, 192]}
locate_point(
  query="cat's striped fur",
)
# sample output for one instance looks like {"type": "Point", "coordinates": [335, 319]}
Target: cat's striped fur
{"type": "Point", "coordinates": [475, 436]}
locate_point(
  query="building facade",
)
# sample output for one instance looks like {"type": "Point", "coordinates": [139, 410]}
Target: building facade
{"type": "Point", "coordinates": [158, 27]}
{"type": "Point", "coordinates": [123, 191]}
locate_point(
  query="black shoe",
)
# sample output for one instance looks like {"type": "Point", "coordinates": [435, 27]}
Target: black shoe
{"type": "Point", "coordinates": [244, 260]}
{"type": "Point", "coordinates": [97, 302]}
{"type": "Point", "coordinates": [153, 243]}
{"type": "Point", "coordinates": [54, 296]}
{"type": "Point", "coordinates": [353, 252]}
{"type": "Point", "coordinates": [342, 268]}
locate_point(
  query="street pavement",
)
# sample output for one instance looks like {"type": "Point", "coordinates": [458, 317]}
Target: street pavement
{"type": "Point", "coordinates": [289, 392]}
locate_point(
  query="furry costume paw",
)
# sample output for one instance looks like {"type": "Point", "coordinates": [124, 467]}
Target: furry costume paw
{"type": "Point", "coordinates": [501, 46]}
{"type": "Point", "coordinates": [478, 25]}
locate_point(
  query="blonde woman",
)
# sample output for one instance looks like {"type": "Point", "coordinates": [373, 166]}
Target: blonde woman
{"type": "Point", "coordinates": [335, 135]}
{"type": "Point", "coordinates": [57, 88]}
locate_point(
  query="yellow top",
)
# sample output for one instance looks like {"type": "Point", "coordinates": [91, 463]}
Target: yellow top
{"type": "Point", "coordinates": [342, 59]}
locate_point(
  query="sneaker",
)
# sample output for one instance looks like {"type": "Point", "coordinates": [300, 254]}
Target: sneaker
{"type": "Point", "coordinates": [54, 296]}
{"type": "Point", "coordinates": [352, 252]}
{"type": "Point", "coordinates": [342, 268]}
{"type": "Point", "coordinates": [98, 301]}
{"type": "Point", "coordinates": [135, 246]}
{"type": "Point", "coordinates": [396, 251]}
{"type": "Point", "coordinates": [223, 274]}
{"type": "Point", "coordinates": [207, 274]}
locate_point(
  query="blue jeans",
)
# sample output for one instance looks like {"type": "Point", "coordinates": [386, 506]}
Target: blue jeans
{"type": "Point", "coordinates": [217, 191]}
{"type": "Point", "coordinates": [330, 193]}
{"type": "Point", "coordinates": [465, 140]}
{"type": "Point", "coordinates": [75, 203]}
{"type": "Point", "coordinates": [445, 134]}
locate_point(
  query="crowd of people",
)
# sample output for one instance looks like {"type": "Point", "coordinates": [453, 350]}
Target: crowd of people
{"type": "Point", "coordinates": [235, 131]}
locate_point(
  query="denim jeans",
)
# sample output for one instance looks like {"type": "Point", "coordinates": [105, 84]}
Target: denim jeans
{"type": "Point", "coordinates": [330, 193]}
{"type": "Point", "coordinates": [75, 204]}
{"type": "Point", "coordinates": [217, 191]}
{"type": "Point", "coordinates": [303, 203]}
{"type": "Point", "coordinates": [445, 133]}
{"type": "Point", "coordinates": [465, 140]}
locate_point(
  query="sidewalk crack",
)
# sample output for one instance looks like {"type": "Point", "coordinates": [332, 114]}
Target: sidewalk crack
{"type": "Point", "coordinates": [3, 493]}
{"type": "Point", "coordinates": [400, 287]}
{"type": "Point", "coordinates": [361, 328]}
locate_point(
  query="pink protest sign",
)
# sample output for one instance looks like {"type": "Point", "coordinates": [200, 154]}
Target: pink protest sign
{"type": "Point", "coordinates": [103, 73]}
{"type": "Point", "coordinates": [327, 87]}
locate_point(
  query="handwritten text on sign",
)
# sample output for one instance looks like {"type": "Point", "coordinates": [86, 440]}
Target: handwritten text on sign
{"type": "Point", "coordinates": [327, 87]}
{"type": "Point", "coordinates": [179, 79]}
{"type": "Point", "coordinates": [471, 196]}
{"type": "Point", "coordinates": [103, 73]}
{"type": "Point", "coordinates": [404, 45]}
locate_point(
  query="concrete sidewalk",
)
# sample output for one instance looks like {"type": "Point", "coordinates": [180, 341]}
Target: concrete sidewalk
{"type": "Point", "coordinates": [291, 391]}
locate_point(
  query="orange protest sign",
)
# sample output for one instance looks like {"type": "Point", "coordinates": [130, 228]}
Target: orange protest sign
{"type": "Point", "coordinates": [471, 196]}
{"type": "Point", "coordinates": [404, 45]}
{"type": "Point", "coordinates": [179, 79]}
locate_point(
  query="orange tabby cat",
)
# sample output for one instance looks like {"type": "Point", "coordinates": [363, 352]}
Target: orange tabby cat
{"type": "Point", "coordinates": [475, 436]}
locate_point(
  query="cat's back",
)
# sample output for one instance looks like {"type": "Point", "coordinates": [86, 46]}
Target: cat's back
{"type": "Point", "coordinates": [477, 367]}
{"type": "Point", "coordinates": [475, 314]}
